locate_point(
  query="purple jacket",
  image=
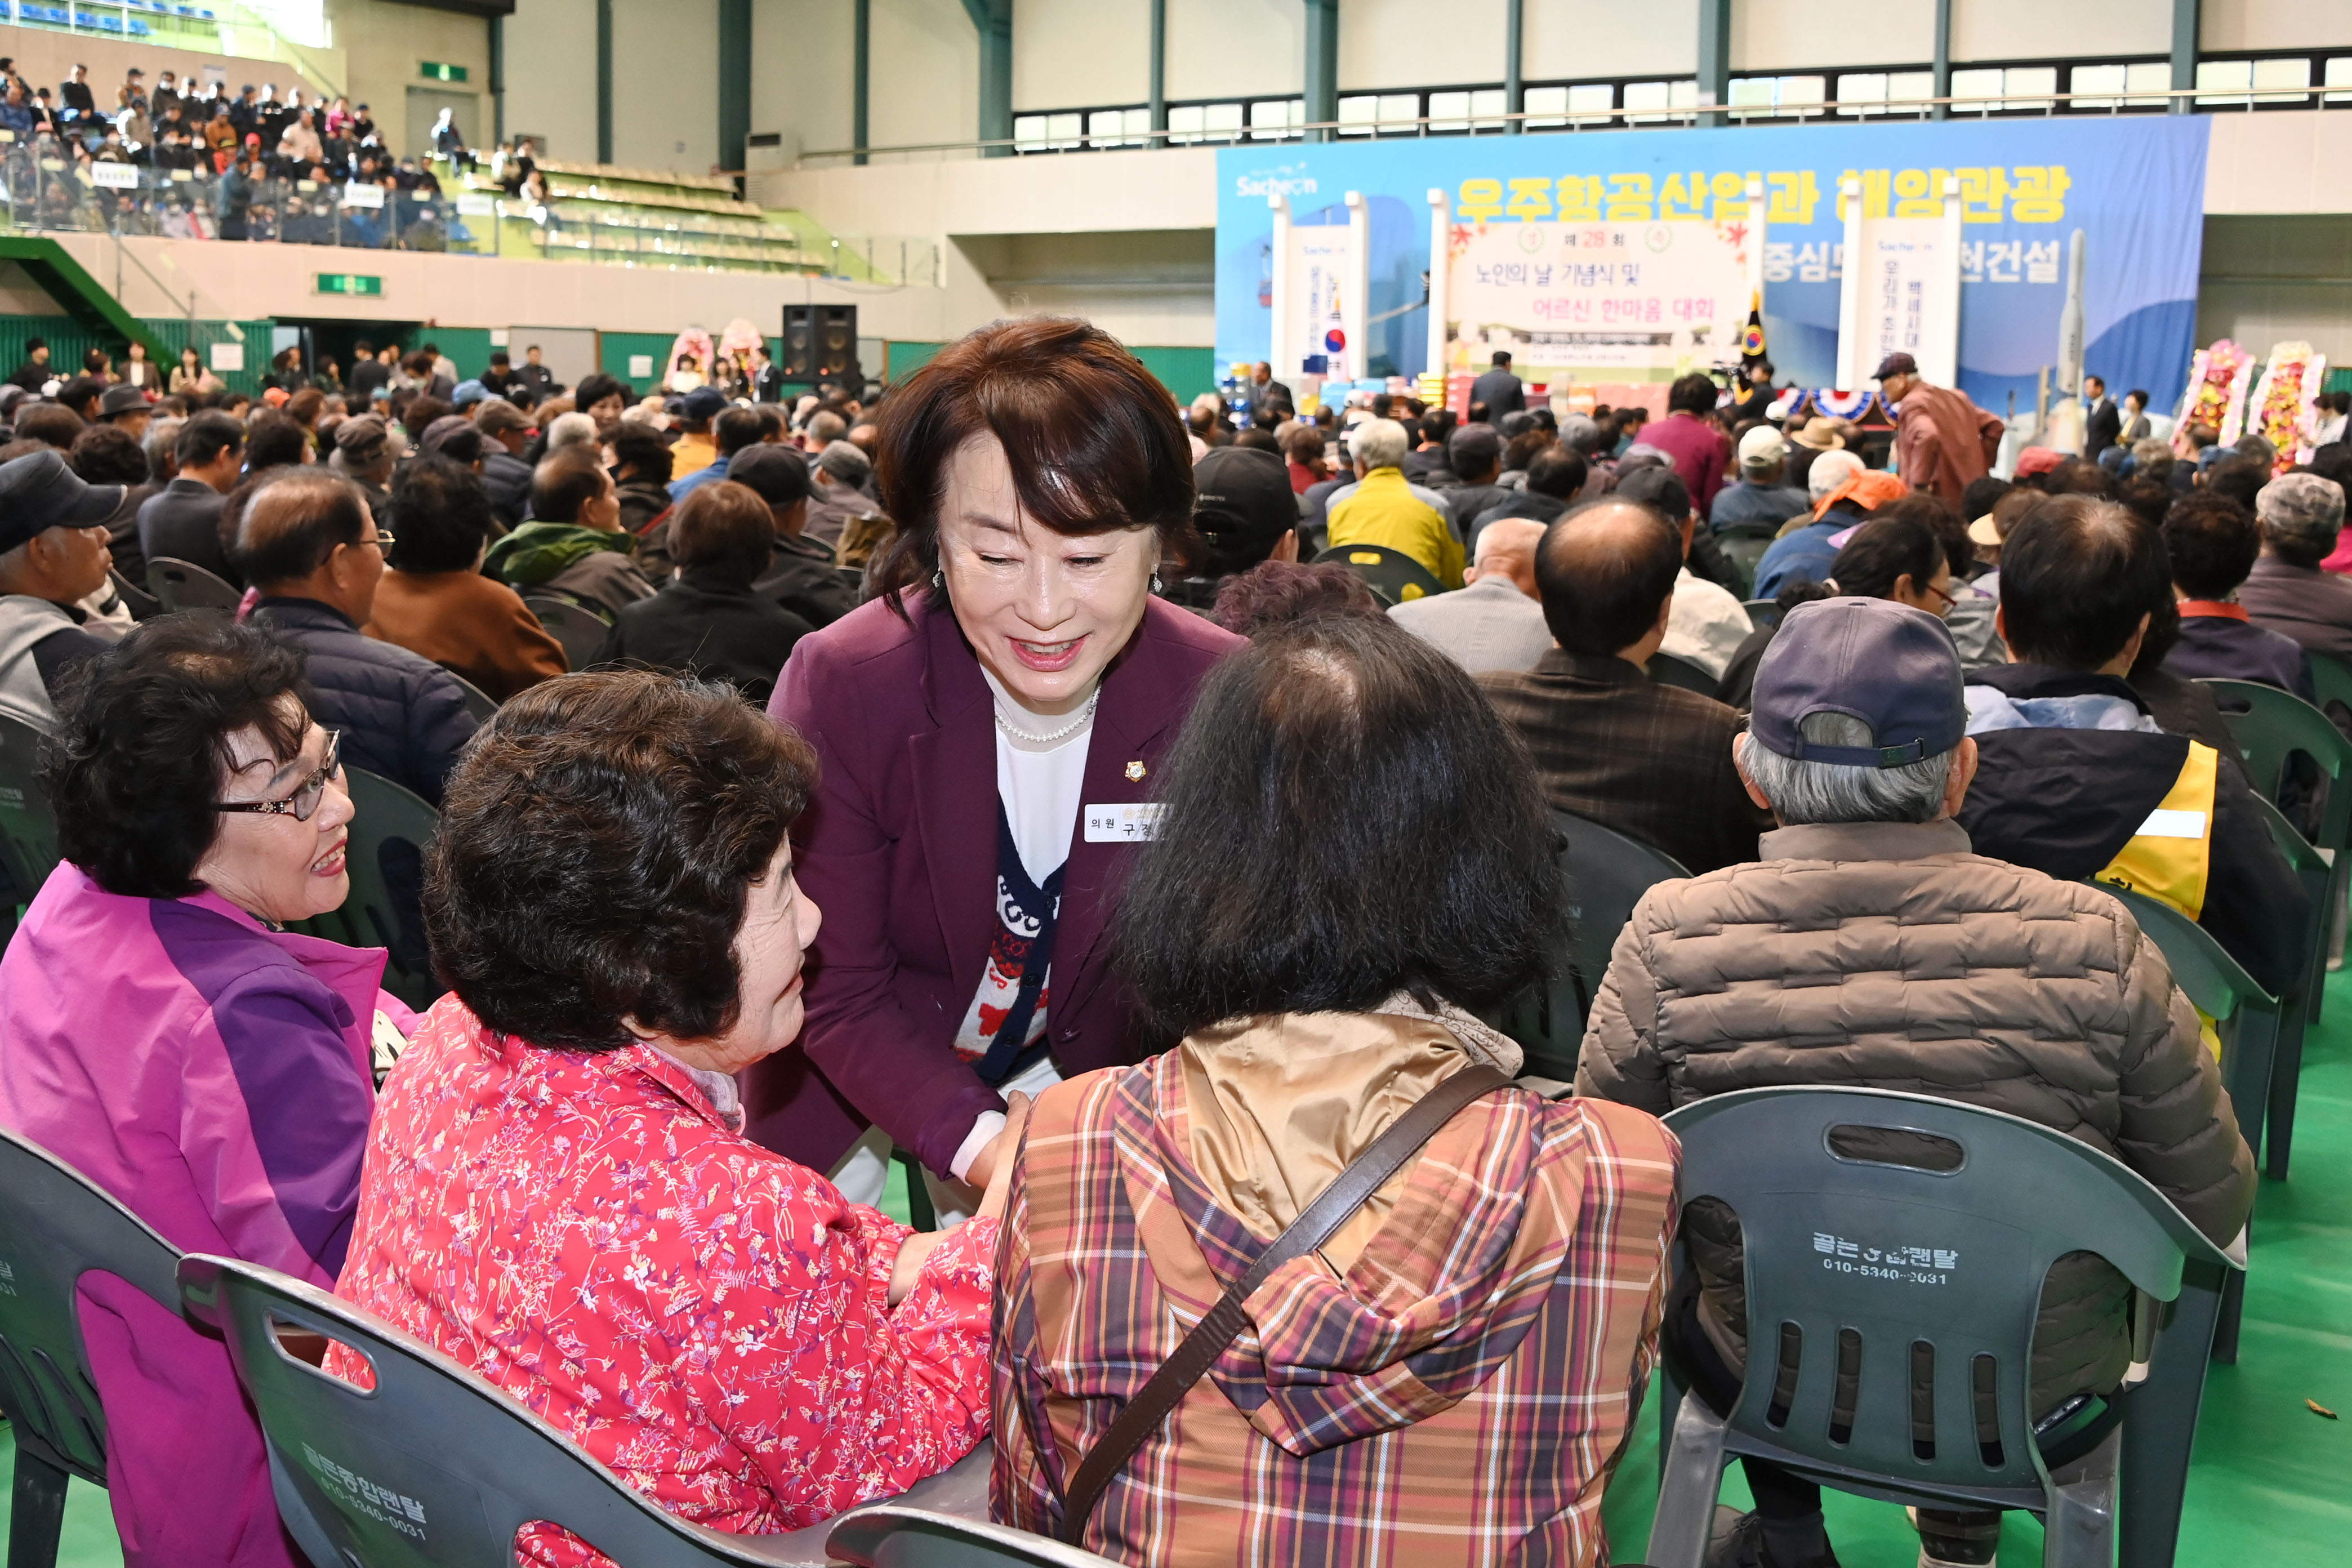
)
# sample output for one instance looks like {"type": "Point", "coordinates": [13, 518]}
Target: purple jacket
{"type": "Point", "coordinates": [899, 849]}
{"type": "Point", "coordinates": [212, 1075]}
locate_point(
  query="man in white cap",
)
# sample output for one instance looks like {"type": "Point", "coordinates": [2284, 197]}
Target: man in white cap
{"type": "Point", "coordinates": [1762, 492]}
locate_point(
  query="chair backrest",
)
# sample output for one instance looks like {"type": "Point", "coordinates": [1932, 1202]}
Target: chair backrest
{"type": "Point", "coordinates": [580, 631]}
{"type": "Point", "coordinates": [184, 585]}
{"type": "Point", "coordinates": [478, 703]}
{"type": "Point", "coordinates": [56, 1225]}
{"type": "Point", "coordinates": [1607, 873]}
{"type": "Point", "coordinates": [2203, 970]}
{"type": "Point", "coordinates": [1744, 546]}
{"type": "Point", "coordinates": [1393, 574]}
{"type": "Point", "coordinates": [28, 827]}
{"type": "Point", "coordinates": [892, 1535]}
{"type": "Point", "coordinates": [1667, 670]}
{"type": "Point", "coordinates": [1762, 613]}
{"type": "Point", "coordinates": [391, 831]}
{"type": "Point", "coordinates": [137, 600]}
{"type": "Point", "coordinates": [1891, 1305]}
{"type": "Point", "coordinates": [2331, 680]}
{"type": "Point", "coordinates": [432, 1464]}
{"type": "Point", "coordinates": [2271, 726]}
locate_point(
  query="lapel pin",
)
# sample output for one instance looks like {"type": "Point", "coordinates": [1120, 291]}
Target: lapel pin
{"type": "Point", "coordinates": [1135, 772]}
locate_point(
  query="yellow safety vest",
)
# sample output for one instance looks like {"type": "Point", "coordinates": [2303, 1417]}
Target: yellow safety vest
{"type": "Point", "coordinates": [2170, 857]}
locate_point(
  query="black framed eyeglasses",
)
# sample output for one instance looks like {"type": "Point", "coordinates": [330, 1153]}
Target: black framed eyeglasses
{"type": "Point", "coordinates": [303, 804]}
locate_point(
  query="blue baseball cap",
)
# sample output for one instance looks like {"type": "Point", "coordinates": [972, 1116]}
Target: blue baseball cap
{"type": "Point", "coordinates": [1889, 665]}
{"type": "Point", "coordinates": [467, 394]}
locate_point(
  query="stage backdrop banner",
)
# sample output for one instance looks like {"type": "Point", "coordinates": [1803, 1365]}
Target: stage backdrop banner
{"type": "Point", "coordinates": [1606, 302]}
{"type": "Point", "coordinates": [2133, 184]}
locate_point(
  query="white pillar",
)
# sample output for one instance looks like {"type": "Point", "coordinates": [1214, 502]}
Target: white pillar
{"type": "Point", "coordinates": [1282, 351]}
{"type": "Point", "coordinates": [1945, 370]}
{"type": "Point", "coordinates": [1756, 209]}
{"type": "Point", "coordinates": [1850, 376]}
{"type": "Point", "coordinates": [1356, 316]}
{"type": "Point", "coordinates": [1441, 251]}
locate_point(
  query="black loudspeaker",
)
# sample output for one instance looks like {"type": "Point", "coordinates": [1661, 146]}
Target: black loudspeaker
{"type": "Point", "coordinates": [820, 341]}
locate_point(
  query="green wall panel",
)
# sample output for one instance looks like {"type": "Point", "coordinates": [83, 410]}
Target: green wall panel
{"type": "Point", "coordinates": [469, 347]}
{"type": "Point", "coordinates": [902, 360]}
{"type": "Point", "coordinates": [1187, 373]}
{"type": "Point", "coordinates": [68, 342]}
{"type": "Point", "coordinates": [614, 349]}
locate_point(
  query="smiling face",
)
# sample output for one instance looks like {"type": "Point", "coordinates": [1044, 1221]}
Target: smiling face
{"type": "Point", "coordinates": [771, 947]}
{"type": "Point", "coordinates": [1045, 612]}
{"type": "Point", "coordinates": [269, 865]}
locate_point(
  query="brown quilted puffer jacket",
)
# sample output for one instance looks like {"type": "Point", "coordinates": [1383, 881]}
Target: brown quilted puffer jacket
{"type": "Point", "coordinates": [1887, 955]}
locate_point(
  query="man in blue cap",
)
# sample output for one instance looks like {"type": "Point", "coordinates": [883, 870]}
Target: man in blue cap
{"type": "Point", "coordinates": [53, 554]}
{"type": "Point", "coordinates": [1870, 947]}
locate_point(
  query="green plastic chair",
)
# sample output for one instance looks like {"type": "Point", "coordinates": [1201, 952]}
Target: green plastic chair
{"type": "Point", "coordinates": [1744, 544]}
{"type": "Point", "coordinates": [2312, 869]}
{"type": "Point", "coordinates": [1667, 670]}
{"type": "Point", "coordinates": [1883, 1277]}
{"type": "Point", "coordinates": [580, 628]}
{"type": "Point", "coordinates": [2270, 727]}
{"type": "Point", "coordinates": [433, 1465]}
{"type": "Point", "coordinates": [1762, 613]}
{"type": "Point", "coordinates": [1607, 875]}
{"type": "Point", "coordinates": [2332, 679]}
{"type": "Point", "coordinates": [479, 704]}
{"type": "Point", "coordinates": [2249, 1021]}
{"type": "Point", "coordinates": [183, 586]}
{"type": "Point", "coordinates": [391, 831]}
{"type": "Point", "coordinates": [28, 827]}
{"type": "Point", "coordinates": [1394, 576]}
{"type": "Point", "coordinates": [56, 1226]}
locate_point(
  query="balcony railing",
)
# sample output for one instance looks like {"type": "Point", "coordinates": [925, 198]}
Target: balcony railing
{"type": "Point", "coordinates": [1978, 91]}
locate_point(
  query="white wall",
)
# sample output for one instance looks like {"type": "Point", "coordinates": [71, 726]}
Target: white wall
{"type": "Point", "coordinates": [664, 84]}
{"type": "Point", "coordinates": [925, 80]}
{"type": "Point", "coordinates": [384, 44]}
{"type": "Point", "coordinates": [2275, 24]}
{"type": "Point", "coordinates": [1769, 37]}
{"type": "Point", "coordinates": [802, 52]}
{"type": "Point", "coordinates": [1072, 54]}
{"type": "Point", "coordinates": [1617, 37]}
{"type": "Point", "coordinates": [1237, 48]}
{"type": "Point", "coordinates": [2042, 29]}
{"type": "Point", "coordinates": [1409, 43]}
{"type": "Point", "coordinates": [550, 76]}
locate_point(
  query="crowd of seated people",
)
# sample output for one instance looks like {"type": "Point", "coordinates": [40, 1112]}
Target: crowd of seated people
{"type": "Point", "coordinates": [212, 163]}
{"type": "Point", "coordinates": [1100, 841]}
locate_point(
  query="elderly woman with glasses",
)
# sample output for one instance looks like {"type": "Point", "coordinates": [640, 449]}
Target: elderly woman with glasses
{"type": "Point", "coordinates": [165, 1034]}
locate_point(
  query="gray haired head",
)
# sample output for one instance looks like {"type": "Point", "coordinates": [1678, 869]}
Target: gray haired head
{"type": "Point", "coordinates": [2301, 515]}
{"type": "Point", "coordinates": [842, 461]}
{"type": "Point", "coordinates": [1581, 432]}
{"type": "Point", "coordinates": [1803, 791]}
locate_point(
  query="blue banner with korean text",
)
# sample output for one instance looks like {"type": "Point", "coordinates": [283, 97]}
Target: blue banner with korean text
{"type": "Point", "coordinates": [2133, 185]}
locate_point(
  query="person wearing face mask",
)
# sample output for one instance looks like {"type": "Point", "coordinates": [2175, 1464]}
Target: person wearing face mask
{"type": "Point", "coordinates": [1014, 675]}
{"type": "Point", "coordinates": [164, 1033]}
{"type": "Point", "coordinates": [611, 895]}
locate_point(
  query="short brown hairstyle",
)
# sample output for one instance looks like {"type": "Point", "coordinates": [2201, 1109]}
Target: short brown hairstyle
{"type": "Point", "coordinates": [566, 482]}
{"type": "Point", "coordinates": [1094, 439]}
{"type": "Point", "coordinates": [597, 843]}
{"type": "Point", "coordinates": [723, 530]}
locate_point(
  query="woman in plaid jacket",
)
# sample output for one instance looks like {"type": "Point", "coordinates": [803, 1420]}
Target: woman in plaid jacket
{"type": "Point", "coordinates": [1354, 855]}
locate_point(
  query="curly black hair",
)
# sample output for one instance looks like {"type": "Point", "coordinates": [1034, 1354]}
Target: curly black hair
{"type": "Point", "coordinates": [1344, 817]}
{"type": "Point", "coordinates": [142, 747]}
{"type": "Point", "coordinates": [597, 845]}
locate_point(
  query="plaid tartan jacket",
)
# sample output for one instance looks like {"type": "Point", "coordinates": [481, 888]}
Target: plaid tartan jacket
{"type": "Point", "coordinates": [1462, 1394]}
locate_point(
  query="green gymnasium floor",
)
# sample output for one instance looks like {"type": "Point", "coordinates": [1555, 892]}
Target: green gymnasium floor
{"type": "Point", "coordinates": [2271, 1483]}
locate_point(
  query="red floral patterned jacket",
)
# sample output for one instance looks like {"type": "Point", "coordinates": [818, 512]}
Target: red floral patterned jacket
{"type": "Point", "coordinates": [707, 1318]}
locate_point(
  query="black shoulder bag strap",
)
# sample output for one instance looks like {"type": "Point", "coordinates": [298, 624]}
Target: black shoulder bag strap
{"type": "Point", "coordinates": [1364, 1176]}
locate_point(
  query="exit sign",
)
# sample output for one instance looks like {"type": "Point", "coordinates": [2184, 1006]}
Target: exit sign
{"type": "Point", "coordinates": [349, 283]}
{"type": "Point", "coordinates": [433, 70]}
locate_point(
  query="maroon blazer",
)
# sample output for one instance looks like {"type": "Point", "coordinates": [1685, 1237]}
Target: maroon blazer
{"type": "Point", "coordinates": [899, 849]}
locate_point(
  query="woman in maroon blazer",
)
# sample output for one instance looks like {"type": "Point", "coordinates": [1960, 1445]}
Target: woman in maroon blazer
{"type": "Point", "coordinates": [1016, 676]}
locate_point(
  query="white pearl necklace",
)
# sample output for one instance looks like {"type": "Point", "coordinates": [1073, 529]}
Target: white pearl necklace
{"type": "Point", "coordinates": [1086, 717]}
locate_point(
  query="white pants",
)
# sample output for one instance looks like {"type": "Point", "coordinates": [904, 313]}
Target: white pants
{"type": "Point", "coordinates": [863, 1175]}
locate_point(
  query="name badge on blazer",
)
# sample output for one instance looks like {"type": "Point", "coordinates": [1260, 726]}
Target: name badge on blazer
{"type": "Point", "coordinates": [1132, 822]}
